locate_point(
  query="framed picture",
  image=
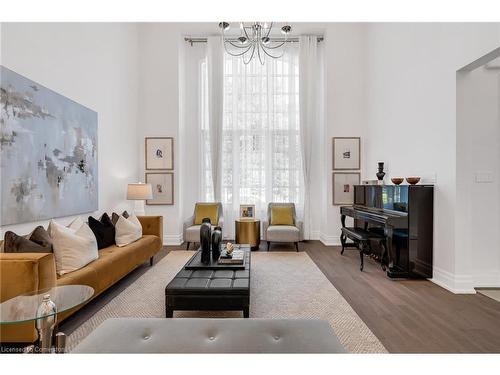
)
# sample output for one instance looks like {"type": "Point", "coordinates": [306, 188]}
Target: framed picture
{"type": "Point", "coordinates": [162, 184]}
{"type": "Point", "coordinates": [247, 211]}
{"type": "Point", "coordinates": [159, 153]}
{"type": "Point", "coordinates": [343, 186]}
{"type": "Point", "coordinates": [346, 153]}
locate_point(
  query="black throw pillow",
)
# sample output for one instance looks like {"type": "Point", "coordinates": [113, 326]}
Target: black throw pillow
{"type": "Point", "coordinates": [38, 242]}
{"type": "Point", "coordinates": [104, 231]}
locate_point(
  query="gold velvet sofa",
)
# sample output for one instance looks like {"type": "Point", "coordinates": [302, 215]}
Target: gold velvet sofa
{"type": "Point", "coordinates": [26, 272]}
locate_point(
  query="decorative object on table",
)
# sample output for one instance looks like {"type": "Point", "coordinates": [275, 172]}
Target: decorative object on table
{"type": "Point", "coordinates": [247, 210]}
{"type": "Point", "coordinates": [49, 153]}
{"type": "Point", "coordinates": [139, 192]}
{"type": "Point", "coordinates": [380, 173]}
{"type": "Point", "coordinates": [229, 248]}
{"type": "Point", "coordinates": [216, 242]}
{"type": "Point", "coordinates": [346, 153]}
{"type": "Point", "coordinates": [205, 239]}
{"type": "Point", "coordinates": [247, 231]}
{"type": "Point", "coordinates": [255, 40]}
{"type": "Point", "coordinates": [46, 315]}
{"type": "Point", "coordinates": [343, 187]}
{"type": "Point", "coordinates": [162, 184]}
{"type": "Point", "coordinates": [159, 153]}
{"type": "Point", "coordinates": [397, 180]}
{"type": "Point", "coordinates": [413, 180]}
{"type": "Point", "coordinates": [237, 257]}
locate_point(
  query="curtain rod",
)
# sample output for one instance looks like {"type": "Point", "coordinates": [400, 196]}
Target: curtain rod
{"type": "Point", "coordinates": [204, 40]}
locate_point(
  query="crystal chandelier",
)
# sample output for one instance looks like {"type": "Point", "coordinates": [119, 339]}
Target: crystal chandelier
{"type": "Point", "coordinates": [255, 40]}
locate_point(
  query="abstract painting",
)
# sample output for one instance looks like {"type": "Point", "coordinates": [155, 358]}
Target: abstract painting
{"type": "Point", "coordinates": [48, 153]}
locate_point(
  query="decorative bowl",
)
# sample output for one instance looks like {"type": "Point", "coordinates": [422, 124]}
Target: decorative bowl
{"type": "Point", "coordinates": [397, 180]}
{"type": "Point", "coordinates": [413, 180]}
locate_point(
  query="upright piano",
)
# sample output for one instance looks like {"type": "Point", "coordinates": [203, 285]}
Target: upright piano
{"type": "Point", "coordinates": [404, 214]}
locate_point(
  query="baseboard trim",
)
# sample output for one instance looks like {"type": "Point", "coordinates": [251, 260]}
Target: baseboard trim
{"type": "Point", "coordinates": [457, 284]}
{"type": "Point", "coordinates": [172, 239]}
{"type": "Point", "coordinates": [328, 240]}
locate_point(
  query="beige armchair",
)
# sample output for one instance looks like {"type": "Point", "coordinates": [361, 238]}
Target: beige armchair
{"type": "Point", "coordinates": [191, 227]}
{"type": "Point", "coordinates": [289, 232]}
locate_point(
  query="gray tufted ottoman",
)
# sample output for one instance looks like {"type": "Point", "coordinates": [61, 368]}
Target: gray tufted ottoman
{"type": "Point", "coordinates": [211, 336]}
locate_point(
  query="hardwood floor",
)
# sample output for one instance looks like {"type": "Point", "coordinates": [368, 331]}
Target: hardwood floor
{"type": "Point", "coordinates": [408, 316]}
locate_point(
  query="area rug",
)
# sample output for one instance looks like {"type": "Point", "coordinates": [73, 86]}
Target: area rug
{"type": "Point", "coordinates": [283, 285]}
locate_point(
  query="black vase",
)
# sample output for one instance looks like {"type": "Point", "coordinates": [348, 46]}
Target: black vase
{"type": "Point", "coordinates": [216, 243]}
{"type": "Point", "coordinates": [205, 237]}
{"type": "Point", "coordinates": [380, 173]}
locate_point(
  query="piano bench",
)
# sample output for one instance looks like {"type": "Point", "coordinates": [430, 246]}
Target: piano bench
{"type": "Point", "coordinates": [361, 239]}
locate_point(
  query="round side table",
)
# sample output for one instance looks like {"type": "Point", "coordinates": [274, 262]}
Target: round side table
{"type": "Point", "coordinates": [247, 232]}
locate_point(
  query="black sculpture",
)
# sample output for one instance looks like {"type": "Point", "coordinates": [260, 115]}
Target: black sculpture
{"type": "Point", "coordinates": [205, 237]}
{"type": "Point", "coordinates": [216, 243]}
{"type": "Point", "coordinates": [380, 173]}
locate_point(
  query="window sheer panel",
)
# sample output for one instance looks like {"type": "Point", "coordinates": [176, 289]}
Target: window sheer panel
{"type": "Point", "coordinates": [261, 153]}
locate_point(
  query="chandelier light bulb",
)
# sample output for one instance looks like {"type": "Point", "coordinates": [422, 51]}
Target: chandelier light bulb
{"type": "Point", "coordinates": [265, 40]}
{"type": "Point", "coordinates": [242, 40]}
{"type": "Point", "coordinates": [286, 29]}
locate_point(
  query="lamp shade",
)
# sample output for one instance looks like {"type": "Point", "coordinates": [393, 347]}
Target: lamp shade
{"type": "Point", "coordinates": [139, 191]}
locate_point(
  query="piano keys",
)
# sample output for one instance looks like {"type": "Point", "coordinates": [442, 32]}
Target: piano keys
{"type": "Point", "coordinates": [404, 214]}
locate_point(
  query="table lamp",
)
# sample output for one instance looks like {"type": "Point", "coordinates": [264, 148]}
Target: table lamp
{"type": "Point", "coordinates": [139, 192]}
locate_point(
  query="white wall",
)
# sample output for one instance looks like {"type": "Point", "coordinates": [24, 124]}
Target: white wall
{"type": "Point", "coordinates": [96, 66]}
{"type": "Point", "coordinates": [411, 116]}
{"type": "Point", "coordinates": [478, 164]}
{"type": "Point", "coordinates": [159, 108]}
{"type": "Point", "coordinates": [345, 85]}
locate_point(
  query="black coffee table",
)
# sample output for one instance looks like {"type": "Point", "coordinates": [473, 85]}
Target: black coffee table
{"type": "Point", "coordinates": [221, 289]}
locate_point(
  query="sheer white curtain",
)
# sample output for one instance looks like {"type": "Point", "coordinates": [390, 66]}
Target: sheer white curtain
{"type": "Point", "coordinates": [310, 107]}
{"type": "Point", "coordinates": [261, 147]}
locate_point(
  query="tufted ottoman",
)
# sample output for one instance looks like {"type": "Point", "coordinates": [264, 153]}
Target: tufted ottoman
{"type": "Point", "coordinates": [210, 289]}
{"type": "Point", "coordinates": [211, 336]}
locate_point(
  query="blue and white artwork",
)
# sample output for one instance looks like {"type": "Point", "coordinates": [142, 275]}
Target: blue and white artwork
{"type": "Point", "coordinates": [48, 153]}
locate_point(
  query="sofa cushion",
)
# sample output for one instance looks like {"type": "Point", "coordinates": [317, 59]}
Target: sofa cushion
{"type": "Point", "coordinates": [204, 210]}
{"type": "Point", "coordinates": [37, 241]}
{"type": "Point", "coordinates": [74, 246]}
{"type": "Point", "coordinates": [115, 216]}
{"type": "Point", "coordinates": [104, 231]}
{"type": "Point", "coordinates": [283, 233]}
{"type": "Point", "coordinates": [127, 230]}
{"type": "Point", "coordinates": [282, 215]}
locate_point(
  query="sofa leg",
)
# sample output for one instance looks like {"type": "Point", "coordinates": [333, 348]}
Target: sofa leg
{"type": "Point", "coordinates": [297, 246]}
{"type": "Point", "coordinates": [151, 261]}
{"type": "Point", "coordinates": [268, 244]}
{"type": "Point", "coordinates": [187, 246]}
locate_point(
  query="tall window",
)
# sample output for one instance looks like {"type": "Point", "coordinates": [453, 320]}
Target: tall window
{"type": "Point", "coordinates": [261, 153]}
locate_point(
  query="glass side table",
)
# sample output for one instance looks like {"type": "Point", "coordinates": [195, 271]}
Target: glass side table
{"type": "Point", "coordinates": [42, 307]}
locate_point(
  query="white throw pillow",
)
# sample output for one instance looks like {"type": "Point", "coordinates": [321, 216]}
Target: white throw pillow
{"type": "Point", "coordinates": [74, 246]}
{"type": "Point", "coordinates": [128, 230]}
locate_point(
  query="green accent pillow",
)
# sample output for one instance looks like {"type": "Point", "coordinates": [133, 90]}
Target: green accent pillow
{"type": "Point", "coordinates": [203, 210]}
{"type": "Point", "coordinates": [282, 215]}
